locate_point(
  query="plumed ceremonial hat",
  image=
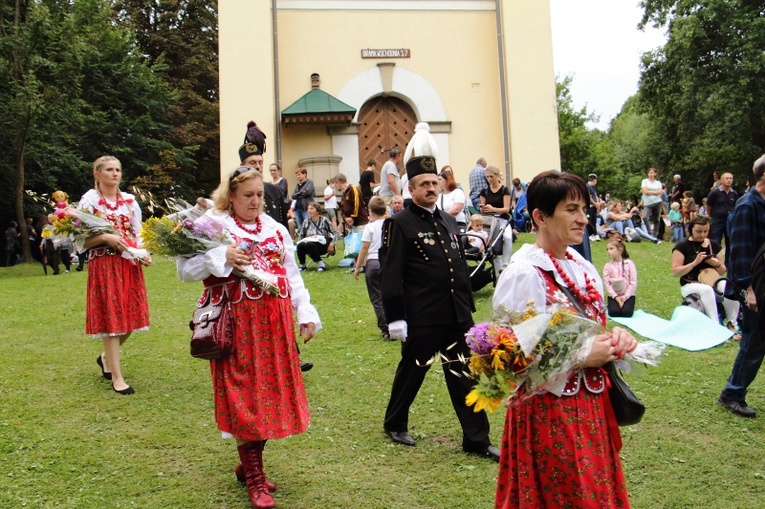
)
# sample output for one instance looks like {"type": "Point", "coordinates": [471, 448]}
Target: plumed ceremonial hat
{"type": "Point", "coordinates": [419, 165]}
{"type": "Point", "coordinates": [254, 142]}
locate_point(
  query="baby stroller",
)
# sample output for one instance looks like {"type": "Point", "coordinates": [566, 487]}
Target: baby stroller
{"type": "Point", "coordinates": [485, 265]}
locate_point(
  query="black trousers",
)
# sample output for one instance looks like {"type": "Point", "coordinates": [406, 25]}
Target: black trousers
{"type": "Point", "coordinates": [626, 311]}
{"type": "Point", "coordinates": [592, 220]}
{"type": "Point", "coordinates": [313, 249]}
{"type": "Point", "coordinates": [421, 345]}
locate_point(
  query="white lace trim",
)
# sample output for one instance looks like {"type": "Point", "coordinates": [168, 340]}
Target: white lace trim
{"type": "Point", "coordinates": [113, 334]}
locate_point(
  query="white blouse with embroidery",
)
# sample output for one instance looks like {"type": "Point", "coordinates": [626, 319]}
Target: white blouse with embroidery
{"type": "Point", "coordinates": [521, 281]}
{"type": "Point", "coordinates": [128, 207]}
{"type": "Point", "coordinates": [213, 263]}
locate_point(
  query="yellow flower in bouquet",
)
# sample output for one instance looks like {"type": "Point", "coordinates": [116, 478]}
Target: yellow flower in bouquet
{"type": "Point", "coordinates": [524, 350]}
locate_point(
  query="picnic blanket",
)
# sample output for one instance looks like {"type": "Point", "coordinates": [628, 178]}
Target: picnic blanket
{"type": "Point", "coordinates": [689, 328]}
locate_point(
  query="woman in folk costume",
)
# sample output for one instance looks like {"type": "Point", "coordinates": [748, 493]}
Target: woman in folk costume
{"type": "Point", "coordinates": [561, 451]}
{"type": "Point", "coordinates": [258, 388]}
{"type": "Point", "coordinates": [116, 303]}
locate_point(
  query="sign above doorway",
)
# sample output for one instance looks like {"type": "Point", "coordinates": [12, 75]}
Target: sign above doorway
{"type": "Point", "coordinates": [386, 53]}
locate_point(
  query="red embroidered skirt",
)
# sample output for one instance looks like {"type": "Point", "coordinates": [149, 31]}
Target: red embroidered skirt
{"type": "Point", "coordinates": [116, 302]}
{"type": "Point", "coordinates": [557, 452]}
{"type": "Point", "coordinates": [258, 389]}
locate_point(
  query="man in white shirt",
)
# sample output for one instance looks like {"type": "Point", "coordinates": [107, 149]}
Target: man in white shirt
{"type": "Point", "coordinates": [390, 180]}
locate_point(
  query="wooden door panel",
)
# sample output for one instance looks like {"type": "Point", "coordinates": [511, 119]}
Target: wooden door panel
{"type": "Point", "coordinates": [384, 123]}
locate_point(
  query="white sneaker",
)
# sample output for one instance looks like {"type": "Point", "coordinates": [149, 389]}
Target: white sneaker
{"type": "Point", "coordinates": [322, 267]}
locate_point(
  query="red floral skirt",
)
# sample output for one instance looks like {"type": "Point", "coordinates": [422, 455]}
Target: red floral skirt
{"type": "Point", "coordinates": [557, 452]}
{"type": "Point", "coordinates": [116, 302]}
{"type": "Point", "coordinates": [258, 389]}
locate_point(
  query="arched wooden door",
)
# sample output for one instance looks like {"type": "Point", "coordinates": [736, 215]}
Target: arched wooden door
{"type": "Point", "coordinates": [384, 123]}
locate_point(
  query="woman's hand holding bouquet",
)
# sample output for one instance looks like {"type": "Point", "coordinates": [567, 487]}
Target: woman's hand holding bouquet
{"type": "Point", "coordinates": [520, 355]}
{"type": "Point", "coordinates": [185, 238]}
{"type": "Point", "coordinates": [79, 225]}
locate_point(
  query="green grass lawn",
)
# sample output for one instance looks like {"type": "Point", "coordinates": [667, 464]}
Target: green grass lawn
{"type": "Point", "coordinates": [67, 440]}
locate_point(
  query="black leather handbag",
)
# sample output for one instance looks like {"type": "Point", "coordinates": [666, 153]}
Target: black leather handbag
{"type": "Point", "coordinates": [628, 409]}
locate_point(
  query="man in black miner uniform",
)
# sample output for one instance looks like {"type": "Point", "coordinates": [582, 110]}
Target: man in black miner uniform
{"type": "Point", "coordinates": [428, 303]}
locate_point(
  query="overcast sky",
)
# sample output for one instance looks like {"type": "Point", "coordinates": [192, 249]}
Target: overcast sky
{"type": "Point", "coordinates": [598, 42]}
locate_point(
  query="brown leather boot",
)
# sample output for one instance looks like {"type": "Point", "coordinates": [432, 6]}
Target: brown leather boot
{"type": "Point", "coordinates": [251, 455]}
{"type": "Point", "coordinates": [239, 472]}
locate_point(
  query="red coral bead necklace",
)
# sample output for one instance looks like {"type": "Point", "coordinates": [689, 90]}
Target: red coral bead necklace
{"type": "Point", "coordinates": [592, 293]}
{"type": "Point", "coordinates": [251, 231]}
{"type": "Point", "coordinates": [120, 201]}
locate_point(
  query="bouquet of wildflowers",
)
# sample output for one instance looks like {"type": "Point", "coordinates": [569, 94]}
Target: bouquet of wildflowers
{"type": "Point", "coordinates": [533, 352]}
{"type": "Point", "coordinates": [182, 238]}
{"type": "Point", "coordinates": [78, 225]}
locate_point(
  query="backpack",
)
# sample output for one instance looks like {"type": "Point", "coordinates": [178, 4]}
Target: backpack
{"type": "Point", "coordinates": [631, 235]}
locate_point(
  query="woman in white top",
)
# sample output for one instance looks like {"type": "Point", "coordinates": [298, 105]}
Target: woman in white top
{"type": "Point", "coordinates": [651, 189]}
{"type": "Point", "coordinates": [452, 198]}
{"type": "Point", "coordinates": [330, 202]}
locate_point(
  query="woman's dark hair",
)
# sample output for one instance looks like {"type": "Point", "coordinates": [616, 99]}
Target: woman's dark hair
{"type": "Point", "coordinates": [447, 175]}
{"type": "Point", "coordinates": [315, 205]}
{"type": "Point", "coordinates": [697, 221]}
{"type": "Point", "coordinates": [551, 187]}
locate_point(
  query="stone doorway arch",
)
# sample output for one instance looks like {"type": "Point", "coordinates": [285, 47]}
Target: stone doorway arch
{"type": "Point", "coordinates": [391, 82]}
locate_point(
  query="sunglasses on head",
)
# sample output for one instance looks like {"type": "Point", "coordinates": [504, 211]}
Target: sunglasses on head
{"type": "Point", "coordinates": [240, 171]}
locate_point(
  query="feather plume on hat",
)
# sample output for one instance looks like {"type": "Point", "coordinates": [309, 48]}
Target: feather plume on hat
{"type": "Point", "coordinates": [254, 141]}
{"type": "Point", "coordinates": [422, 143]}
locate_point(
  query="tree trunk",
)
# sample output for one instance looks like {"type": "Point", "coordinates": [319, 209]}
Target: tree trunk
{"type": "Point", "coordinates": [26, 252]}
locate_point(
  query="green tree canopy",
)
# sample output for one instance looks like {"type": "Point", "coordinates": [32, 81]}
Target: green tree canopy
{"type": "Point", "coordinates": [182, 35]}
{"type": "Point", "coordinates": [704, 87]}
{"type": "Point", "coordinates": [577, 142]}
{"type": "Point", "coordinates": [76, 88]}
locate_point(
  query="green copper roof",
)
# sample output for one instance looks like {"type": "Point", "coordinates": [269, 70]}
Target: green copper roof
{"type": "Point", "coordinates": [316, 102]}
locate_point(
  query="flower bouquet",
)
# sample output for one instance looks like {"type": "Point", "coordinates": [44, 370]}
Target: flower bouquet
{"type": "Point", "coordinates": [534, 352]}
{"type": "Point", "coordinates": [182, 238]}
{"type": "Point", "coordinates": [78, 224]}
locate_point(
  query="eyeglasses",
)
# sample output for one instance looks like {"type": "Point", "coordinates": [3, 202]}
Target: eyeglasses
{"type": "Point", "coordinates": [240, 171]}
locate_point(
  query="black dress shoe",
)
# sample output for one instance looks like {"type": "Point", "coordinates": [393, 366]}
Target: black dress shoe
{"type": "Point", "coordinates": [401, 437]}
{"type": "Point", "coordinates": [100, 363]}
{"type": "Point", "coordinates": [489, 452]}
{"type": "Point", "coordinates": [127, 391]}
{"type": "Point", "coordinates": [735, 407]}
{"type": "Point", "coordinates": [306, 366]}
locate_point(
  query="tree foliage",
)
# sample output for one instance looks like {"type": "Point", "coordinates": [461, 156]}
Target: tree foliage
{"type": "Point", "coordinates": [182, 35]}
{"type": "Point", "coordinates": [632, 145]}
{"type": "Point", "coordinates": [704, 87]}
{"type": "Point", "coordinates": [577, 142]}
{"type": "Point", "coordinates": [76, 88]}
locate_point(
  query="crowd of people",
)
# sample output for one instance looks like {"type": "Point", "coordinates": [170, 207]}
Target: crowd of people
{"type": "Point", "coordinates": [556, 450]}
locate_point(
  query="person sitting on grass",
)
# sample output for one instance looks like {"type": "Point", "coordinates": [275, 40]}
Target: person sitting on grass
{"type": "Point", "coordinates": [619, 279]}
{"type": "Point", "coordinates": [698, 259]}
{"type": "Point", "coordinates": [369, 260]}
